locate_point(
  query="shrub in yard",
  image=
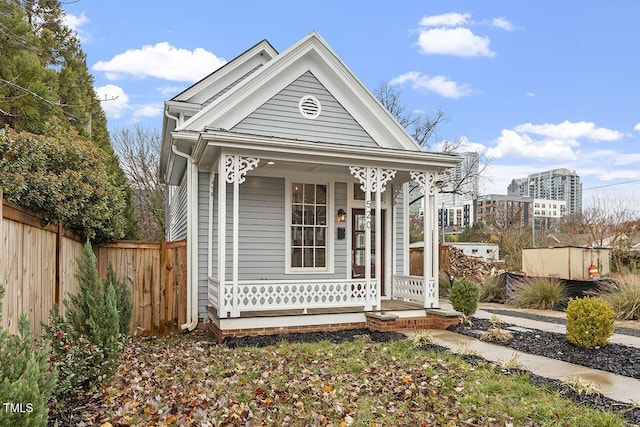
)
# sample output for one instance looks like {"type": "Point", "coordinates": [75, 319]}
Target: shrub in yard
{"type": "Point", "coordinates": [590, 322]}
{"type": "Point", "coordinates": [492, 290]}
{"type": "Point", "coordinates": [86, 345]}
{"type": "Point", "coordinates": [123, 299]}
{"type": "Point", "coordinates": [26, 382]}
{"type": "Point", "coordinates": [464, 296]}
{"type": "Point", "coordinates": [623, 295]}
{"type": "Point", "coordinates": [539, 293]}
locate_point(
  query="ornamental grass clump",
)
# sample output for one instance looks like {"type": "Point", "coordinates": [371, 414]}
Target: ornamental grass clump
{"type": "Point", "coordinates": [540, 293]}
{"type": "Point", "coordinates": [492, 289]}
{"type": "Point", "coordinates": [624, 296]}
{"type": "Point", "coordinates": [590, 322]}
{"type": "Point", "coordinates": [464, 296]}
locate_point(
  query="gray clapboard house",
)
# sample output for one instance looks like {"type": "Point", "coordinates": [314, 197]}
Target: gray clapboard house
{"type": "Point", "coordinates": [281, 168]}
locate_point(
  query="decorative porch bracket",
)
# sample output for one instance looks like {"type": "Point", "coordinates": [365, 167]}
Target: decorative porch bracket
{"type": "Point", "coordinates": [427, 184]}
{"type": "Point", "coordinates": [234, 168]}
{"type": "Point", "coordinates": [372, 180]}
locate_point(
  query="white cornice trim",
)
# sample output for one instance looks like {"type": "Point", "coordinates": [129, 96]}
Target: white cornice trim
{"type": "Point", "coordinates": [316, 152]}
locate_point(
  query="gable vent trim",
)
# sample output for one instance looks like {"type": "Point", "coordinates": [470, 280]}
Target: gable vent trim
{"type": "Point", "coordinates": [309, 107]}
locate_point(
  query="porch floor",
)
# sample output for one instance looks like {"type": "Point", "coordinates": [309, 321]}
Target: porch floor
{"type": "Point", "coordinates": [387, 305]}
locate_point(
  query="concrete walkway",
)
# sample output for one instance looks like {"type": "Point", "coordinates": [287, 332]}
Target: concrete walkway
{"type": "Point", "coordinates": [617, 387]}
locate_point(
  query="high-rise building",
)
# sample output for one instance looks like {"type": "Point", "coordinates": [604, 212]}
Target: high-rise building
{"type": "Point", "coordinates": [556, 184]}
{"type": "Point", "coordinates": [464, 177]}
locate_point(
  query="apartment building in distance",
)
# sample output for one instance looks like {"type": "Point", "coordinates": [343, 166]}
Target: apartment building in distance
{"type": "Point", "coordinates": [504, 211]}
{"type": "Point", "coordinates": [557, 184]}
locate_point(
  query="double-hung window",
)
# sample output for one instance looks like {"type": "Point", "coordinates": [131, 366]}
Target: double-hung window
{"type": "Point", "coordinates": [309, 227]}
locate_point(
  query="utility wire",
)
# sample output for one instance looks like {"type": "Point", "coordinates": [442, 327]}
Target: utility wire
{"type": "Point", "coordinates": [611, 185]}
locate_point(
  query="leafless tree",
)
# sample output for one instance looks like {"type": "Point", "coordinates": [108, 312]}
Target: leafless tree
{"type": "Point", "coordinates": [423, 126]}
{"type": "Point", "coordinates": [139, 153]}
{"type": "Point", "coordinates": [609, 223]}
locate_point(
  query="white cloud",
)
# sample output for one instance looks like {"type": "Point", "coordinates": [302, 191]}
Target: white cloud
{"type": "Point", "coordinates": [571, 130]}
{"type": "Point", "coordinates": [502, 23]}
{"type": "Point", "coordinates": [453, 41]}
{"type": "Point", "coordinates": [513, 143]}
{"type": "Point", "coordinates": [152, 110]}
{"type": "Point", "coordinates": [446, 20]}
{"type": "Point", "coordinates": [531, 94]}
{"type": "Point", "coordinates": [170, 90]}
{"type": "Point", "coordinates": [114, 100]}
{"type": "Point", "coordinates": [637, 127]}
{"type": "Point", "coordinates": [436, 84]}
{"type": "Point", "coordinates": [75, 23]}
{"type": "Point", "coordinates": [163, 61]}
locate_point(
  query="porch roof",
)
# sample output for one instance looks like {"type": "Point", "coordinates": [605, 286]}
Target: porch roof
{"type": "Point", "coordinates": [208, 145]}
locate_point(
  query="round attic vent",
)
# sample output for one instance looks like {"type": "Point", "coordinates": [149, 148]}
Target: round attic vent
{"type": "Point", "coordinates": [309, 106]}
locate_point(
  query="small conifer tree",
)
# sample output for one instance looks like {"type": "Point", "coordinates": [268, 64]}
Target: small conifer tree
{"type": "Point", "coordinates": [92, 318]}
{"type": "Point", "coordinates": [123, 299]}
{"type": "Point", "coordinates": [26, 382]}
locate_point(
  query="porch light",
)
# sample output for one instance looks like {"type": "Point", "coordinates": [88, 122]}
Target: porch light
{"type": "Point", "coordinates": [342, 215]}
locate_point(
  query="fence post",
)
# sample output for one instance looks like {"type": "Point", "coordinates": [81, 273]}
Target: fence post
{"type": "Point", "coordinates": [56, 289]}
{"type": "Point", "coordinates": [162, 309]}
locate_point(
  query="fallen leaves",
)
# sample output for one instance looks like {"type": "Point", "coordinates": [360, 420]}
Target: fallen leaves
{"type": "Point", "coordinates": [179, 381]}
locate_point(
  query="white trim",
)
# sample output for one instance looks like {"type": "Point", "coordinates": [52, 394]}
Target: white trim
{"type": "Point", "coordinates": [406, 229]}
{"type": "Point", "coordinates": [330, 233]}
{"type": "Point", "coordinates": [309, 54]}
{"type": "Point", "coordinates": [222, 234]}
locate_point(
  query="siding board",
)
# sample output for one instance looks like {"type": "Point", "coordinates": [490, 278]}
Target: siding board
{"type": "Point", "coordinates": [280, 117]}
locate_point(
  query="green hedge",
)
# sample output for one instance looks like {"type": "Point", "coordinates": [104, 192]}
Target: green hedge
{"type": "Point", "coordinates": [64, 179]}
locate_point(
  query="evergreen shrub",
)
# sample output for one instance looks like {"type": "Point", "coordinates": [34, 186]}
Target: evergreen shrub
{"type": "Point", "coordinates": [26, 381]}
{"type": "Point", "coordinates": [590, 322]}
{"type": "Point", "coordinates": [464, 296]}
{"type": "Point", "coordinates": [86, 346]}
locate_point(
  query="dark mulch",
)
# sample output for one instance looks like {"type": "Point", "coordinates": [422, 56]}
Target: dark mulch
{"type": "Point", "coordinates": [312, 337]}
{"type": "Point", "coordinates": [615, 358]}
{"type": "Point", "coordinates": [631, 413]}
{"type": "Point", "coordinates": [556, 320]}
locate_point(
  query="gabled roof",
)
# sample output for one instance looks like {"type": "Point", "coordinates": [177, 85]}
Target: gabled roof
{"type": "Point", "coordinates": [228, 74]}
{"type": "Point", "coordinates": [310, 54]}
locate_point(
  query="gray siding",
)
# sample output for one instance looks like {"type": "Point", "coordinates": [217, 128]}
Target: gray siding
{"type": "Point", "coordinates": [280, 117]}
{"type": "Point", "coordinates": [203, 245]}
{"type": "Point", "coordinates": [340, 246]}
{"type": "Point", "coordinates": [177, 228]}
{"type": "Point", "coordinates": [262, 233]}
{"type": "Point", "coordinates": [399, 232]}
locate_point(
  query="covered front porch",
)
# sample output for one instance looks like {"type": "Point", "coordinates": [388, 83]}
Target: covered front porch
{"type": "Point", "coordinates": [329, 236]}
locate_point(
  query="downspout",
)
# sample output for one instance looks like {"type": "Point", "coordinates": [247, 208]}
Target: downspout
{"type": "Point", "coordinates": [192, 242]}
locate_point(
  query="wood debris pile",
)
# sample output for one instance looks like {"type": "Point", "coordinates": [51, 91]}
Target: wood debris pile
{"type": "Point", "coordinates": [473, 268]}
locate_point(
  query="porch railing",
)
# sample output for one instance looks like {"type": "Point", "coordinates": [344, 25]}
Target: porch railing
{"type": "Point", "coordinates": [413, 289]}
{"type": "Point", "coordinates": [266, 295]}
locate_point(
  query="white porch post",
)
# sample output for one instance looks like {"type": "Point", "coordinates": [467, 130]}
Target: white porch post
{"type": "Point", "coordinates": [236, 168]}
{"type": "Point", "coordinates": [373, 180]}
{"type": "Point", "coordinates": [426, 181]}
{"type": "Point", "coordinates": [222, 228]}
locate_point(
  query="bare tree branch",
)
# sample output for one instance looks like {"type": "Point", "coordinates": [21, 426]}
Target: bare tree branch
{"type": "Point", "coordinates": [139, 153]}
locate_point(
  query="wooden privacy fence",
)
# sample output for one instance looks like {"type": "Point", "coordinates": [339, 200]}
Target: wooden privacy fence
{"type": "Point", "coordinates": [416, 260]}
{"type": "Point", "coordinates": [38, 267]}
{"type": "Point", "coordinates": [156, 275]}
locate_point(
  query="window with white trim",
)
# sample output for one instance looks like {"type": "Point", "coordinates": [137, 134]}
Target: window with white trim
{"type": "Point", "coordinates": [309, 226]}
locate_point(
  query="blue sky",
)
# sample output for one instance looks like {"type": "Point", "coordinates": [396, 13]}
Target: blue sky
{"type": "Point", "coordinates": [534, 85]}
